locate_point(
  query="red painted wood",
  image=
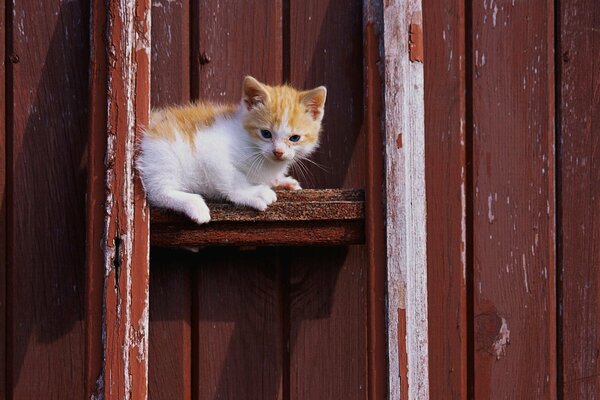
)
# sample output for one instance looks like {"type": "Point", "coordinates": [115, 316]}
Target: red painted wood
{"type": "Point", "coordinates": [46, 197]}
{"type": "Point", "coordinates": [579, 207]}
{"type": "Point", "coordinates": [329, 287]}
{"type": "Point", "coordinates": [3, 211]}
{"type": "Point", "coordinates": [513, 200]}
{"type": "Point", "coordinates": [95, 204]}
{"type": "Point", "coordinates": [446, 190]}
{"type": "Point", "coordinates": [239, 334]}
{"type": "Point", "coordinates": [170, 345]}
{"type": "Point", "coordinates": [126, 236]}
{"type": "Point", "coordinates": [171, 278]}
{"type": "Point", "coordinates": [238, 329]}
{"type": "Point", "coordinates": [375, 230]}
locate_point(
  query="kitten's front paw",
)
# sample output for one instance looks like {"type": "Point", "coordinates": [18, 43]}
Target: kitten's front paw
{"type": "Point", "coordinates": [198, 212]}
{"type": "Point", "coordinates": [258, 197]}
{"type": "Point", "coordinates": [287, 182]}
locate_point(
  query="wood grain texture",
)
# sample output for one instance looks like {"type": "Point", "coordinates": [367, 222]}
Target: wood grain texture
{"type": "Point", "coordinates": [328, 317]}
{"type": "Point", "coordinates": [3, 200]}
{"type": "Point", "coordinates": [406, 210]}
{"type": "Point", "coordinates": [235, 38]}
{"type": "Point", "coordinates": [329, 287]}
{"type": "Point", "coordinates": [46, 209]}
{"type": "Point", "coordinates": [170, 340]}
{"type": "Point", "coordinates": [126, 236]}
{"type": "Point", "coordinates": [238, 328]}
{"type": "Point", "coordinates": [318, 57]}
{"type": "Point", "coordinates": [375, 229]}
{"type": "Point", "coordinates": [239, 333]}
{"type": "Point", "coordinates": [446, 188]}
{"type": "Point", "coordinates": [513, 200]}
{"type": "Point", "coordinates": [579, 207]}
{"type": "Point", "coordinates": [171, 278]}
{"type": "Point", "coordinates": [97, 123]}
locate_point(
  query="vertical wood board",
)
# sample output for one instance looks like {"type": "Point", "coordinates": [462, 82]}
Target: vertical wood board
{"type": "Point", "coordinates": [171, 275]}
{"type": "Point", "coordinates": [126, 236]}
{"type": "Point", "coordinates": [406, 210]}
{"type": "Point", "coordinates": [446, 189]}
{"type": "Point", "coordinates": [513, 200]}
{"type": "Point", "coordinates": [328, 288]}
{"type": "Point", "coordinates": [579, 198]}
{"type": "Point", "coordinates": [47, 106]}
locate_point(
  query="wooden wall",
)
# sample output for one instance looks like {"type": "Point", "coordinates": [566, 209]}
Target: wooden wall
{"type": "Point", "coordinates": [513, 207]}
{"type": "Point", "coordinates": [512, 131]}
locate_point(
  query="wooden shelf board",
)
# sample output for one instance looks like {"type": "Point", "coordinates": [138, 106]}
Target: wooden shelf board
{"type": "Point", "coordinates": [298, 218]}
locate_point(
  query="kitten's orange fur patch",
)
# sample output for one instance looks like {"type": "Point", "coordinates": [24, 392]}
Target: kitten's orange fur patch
{"type": "Point", "coordinates": [284, 102]}
{"type": "Point", "coordinates": [269, 106]}
{"type": "Point", "coordinates": [186, 119]}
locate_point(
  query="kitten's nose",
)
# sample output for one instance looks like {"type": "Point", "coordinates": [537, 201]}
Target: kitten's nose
{"type": "Point", "coordinates": [278, 154]}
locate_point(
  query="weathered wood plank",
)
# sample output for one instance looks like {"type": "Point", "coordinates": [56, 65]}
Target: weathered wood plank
{"type": "Point", "coordinates": [513, 200]}
{"type": "Point", "coordinates": [170, 339]}
{"type": "Point", "coordinates": [126, 240]}
{"type": "Point", "coordinates": [579, 198]}
{"type": "Point", "coordinates": [46, 121]}
{"type": "Point", "coordinates": [374, 218]}
{"type": "Point", "coordinates": [446, 190]}
{"type": "Point", "coordinates": [328, 288]}
{"type": "Point", "coordinates": [239, 333]}
{"type": "Point", "coordinates": [406, 211]}
{"type": "Point", "coordinates": [95, 203]}
{"type": "Point", "coordinates": [3, 200]}
{"type": "Point", "coordinates": [233, 39]}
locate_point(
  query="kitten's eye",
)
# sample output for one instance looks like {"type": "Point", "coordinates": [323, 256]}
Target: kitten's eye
{"type": "Point", "coordinates": [266, 134]}
{"type": "Point", "coordinates": [294, 138]}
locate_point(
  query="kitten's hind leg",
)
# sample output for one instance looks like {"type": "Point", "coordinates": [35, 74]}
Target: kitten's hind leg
{"type": "Point", "coordinates": [192, 205]}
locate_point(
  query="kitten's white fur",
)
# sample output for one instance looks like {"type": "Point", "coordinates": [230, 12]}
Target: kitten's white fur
{"type": "Point", "coordinates": [224, 163]}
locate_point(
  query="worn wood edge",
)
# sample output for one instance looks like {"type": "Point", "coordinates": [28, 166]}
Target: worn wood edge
{"type": "Point", "coordinates": [377, 332]}
{"type": "Point", "coordinates": [263, 234]}
{"type": "Point", "coordinates": [405, 175]}
{"type": "Point", "coordinates": [94, 383]}
{"type": "Point", "coordinates": [126, 222]}
{"type": "Point", "coordinates": [302, 205]}
{"type": "Point", "coordinates": [4, 205]}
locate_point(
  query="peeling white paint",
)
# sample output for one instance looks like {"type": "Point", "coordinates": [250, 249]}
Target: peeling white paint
{"type": "Point", "coordinates": [406, 213]}
{"type": "Point", "coordinates": [502, 340]}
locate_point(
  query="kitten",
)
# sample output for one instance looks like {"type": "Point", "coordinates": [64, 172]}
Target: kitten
{"type": "Point", "coordinates": [231, 152]}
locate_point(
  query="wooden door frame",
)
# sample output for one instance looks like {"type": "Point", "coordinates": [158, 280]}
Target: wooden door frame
{"type": "Point", "coordinates": [118, 231]}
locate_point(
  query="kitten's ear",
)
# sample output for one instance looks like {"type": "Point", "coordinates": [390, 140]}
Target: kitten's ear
{"type": "Point", "coordinates": [314, 101]}
{"type": "Point", "coordinates": [254, 93]}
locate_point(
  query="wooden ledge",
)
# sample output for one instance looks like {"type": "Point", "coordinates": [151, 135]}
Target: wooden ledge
{"type": "Point", "coordinates": [298, 218]}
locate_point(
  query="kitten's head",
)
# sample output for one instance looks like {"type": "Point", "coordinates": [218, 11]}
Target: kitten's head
{"type": "Point", "coordinates": [282, 122]}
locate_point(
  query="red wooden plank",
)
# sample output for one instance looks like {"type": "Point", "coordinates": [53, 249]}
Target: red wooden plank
{"type": "Point", "coordinates": [375, 229]}
{"type": "Point", "coordinates": [235, 38]}
{"type": "Point", "coordinates": [95, 203]}
{"type": "Point", "coordinates": [3, 211]}
{"type": "Point", "coordinates": [445, 89]}
{"type": "Point", "coordinates": [46, 211]}
{"type": "Point", "coordinates": [126, 237]}
{"type": "Point", "coordinates": [170, 347]}
{"type": "Point", "coordinates": [241, 356]}
{"type": "Point", "coordinates": [329, 287]}
{"type": "Point", "coordinates": [579, 207]}
{"type": "Point", "coordinates": [513, 200]}
{"type": "Point", "coordinates": [170, 339]}
{"type": "Point", "coordinates": [240, 342]}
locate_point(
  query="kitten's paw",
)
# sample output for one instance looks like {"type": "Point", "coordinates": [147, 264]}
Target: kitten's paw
{"type": "Point", "coordinates": [258, 197]}
{"type": "Point", "coordinates": [287, 183]}
{"type": "Point", "coordinates": [198, 211]}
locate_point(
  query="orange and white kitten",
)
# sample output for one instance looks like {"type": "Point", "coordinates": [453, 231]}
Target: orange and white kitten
{"type": "Point", "coordinates": [232, 152]}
